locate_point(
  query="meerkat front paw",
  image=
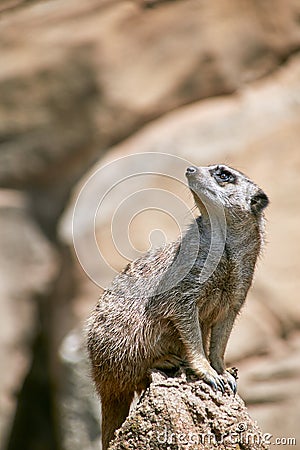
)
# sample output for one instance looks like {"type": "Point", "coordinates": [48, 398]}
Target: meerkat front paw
{"type": "Point", "coordinates": [215, 381]}
{"type": "Point", "coordinates": [229, 375]}
{"type": "Point", "coordinates": [211, 377]}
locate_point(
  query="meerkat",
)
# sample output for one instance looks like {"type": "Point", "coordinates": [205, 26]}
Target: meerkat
{"type": "Point", "coordinates": [162, 311]}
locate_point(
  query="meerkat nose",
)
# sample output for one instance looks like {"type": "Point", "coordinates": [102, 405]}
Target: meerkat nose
{"type": "Point", "coordinates": [191, 170]}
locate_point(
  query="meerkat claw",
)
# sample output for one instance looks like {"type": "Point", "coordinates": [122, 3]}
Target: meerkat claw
{"type": "Point", "coordinates": [221, 385]}
{"type": "Point", "coordinates": [216, 383]}
{"type": "Point", "coordinates": [213, 385]}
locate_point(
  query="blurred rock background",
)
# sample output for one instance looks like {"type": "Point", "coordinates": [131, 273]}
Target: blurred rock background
{"type": "Point", "coordinates": [83, 83]}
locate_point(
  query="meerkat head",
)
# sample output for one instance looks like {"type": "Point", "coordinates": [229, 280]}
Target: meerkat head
{"type": "Point", "coordinates": [222, 186]}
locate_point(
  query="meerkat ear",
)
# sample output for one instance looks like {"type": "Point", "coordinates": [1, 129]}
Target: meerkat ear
{"type": "Point", "coordinates": [259, 201]}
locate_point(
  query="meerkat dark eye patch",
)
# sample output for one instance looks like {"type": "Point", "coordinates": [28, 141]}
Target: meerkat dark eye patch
{"type": "Point", "coordinates": [259, 201]}
{"type": "Point", "coordinates": [223, 175]}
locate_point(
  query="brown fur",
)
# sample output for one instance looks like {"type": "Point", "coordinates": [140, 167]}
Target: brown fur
{"type": "Point", "coordinates": [158, 312]}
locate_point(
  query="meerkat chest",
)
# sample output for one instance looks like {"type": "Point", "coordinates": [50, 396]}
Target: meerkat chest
{"type": "Point", "coordinates": [224, 290]}
{"type": "Point", "coordinates": [215, 302]}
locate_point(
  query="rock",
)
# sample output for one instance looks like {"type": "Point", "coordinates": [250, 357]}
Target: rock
{"type": "Point", "coordinates": [28, 269]}
{"type": "Point", "coordinates": [174, 414]}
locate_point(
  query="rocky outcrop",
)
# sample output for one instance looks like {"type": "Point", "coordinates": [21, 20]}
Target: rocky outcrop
{"type": "Point", "coordinates": [177, 414]}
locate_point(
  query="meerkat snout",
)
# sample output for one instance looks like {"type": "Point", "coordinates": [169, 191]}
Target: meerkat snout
{"type": "Point", "coordinates": [190, 170]}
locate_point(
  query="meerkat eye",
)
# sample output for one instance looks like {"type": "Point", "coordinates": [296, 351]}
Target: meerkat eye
{"type": "Point", "coordinates": [223, 176]}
